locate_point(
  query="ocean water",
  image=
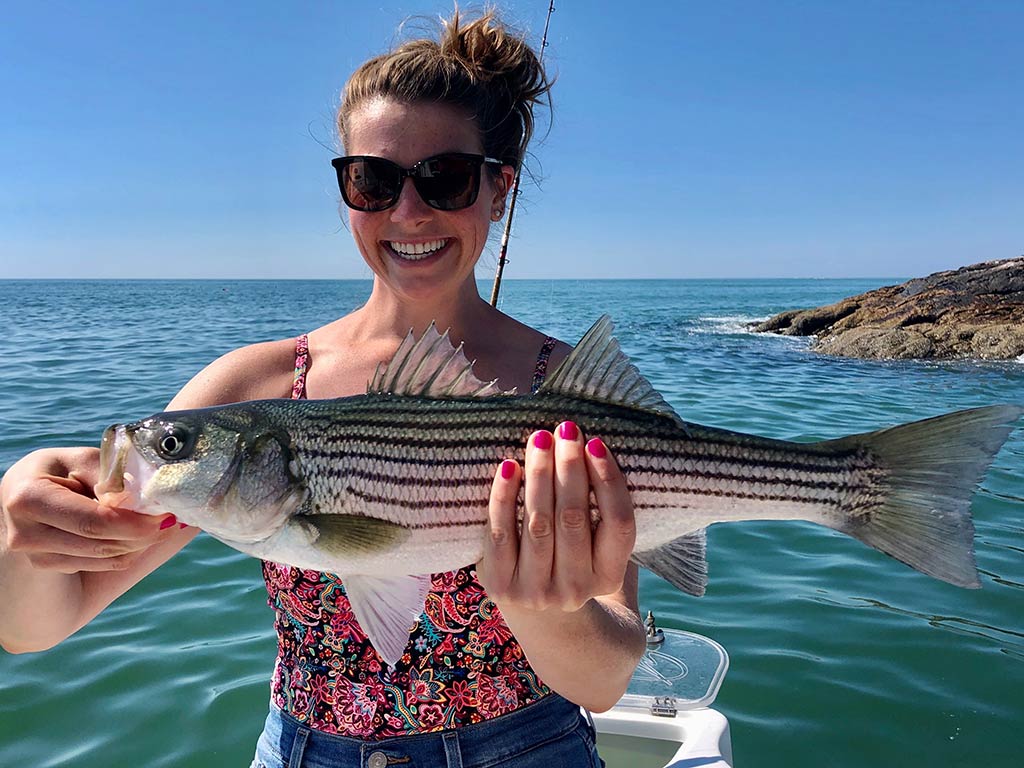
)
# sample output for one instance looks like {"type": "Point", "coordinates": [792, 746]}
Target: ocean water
{"type": "Point", "coordinates": [840, 656]}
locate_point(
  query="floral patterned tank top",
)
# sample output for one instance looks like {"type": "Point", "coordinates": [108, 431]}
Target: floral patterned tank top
{"type": "Point", "coordinates": [462, 665]}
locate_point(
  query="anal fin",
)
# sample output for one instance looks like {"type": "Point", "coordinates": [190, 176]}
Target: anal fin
{"type": "Point", "coordinates": [682, 562]}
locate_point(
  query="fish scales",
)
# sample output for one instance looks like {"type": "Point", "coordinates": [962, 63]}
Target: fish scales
{"type": "Point", "coordinates": [400, 459]}
{"type": "Point", "coordinates": [476, 428]}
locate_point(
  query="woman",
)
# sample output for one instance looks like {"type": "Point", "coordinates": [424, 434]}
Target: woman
{"type": "Point", "coordinates": [505, 650]}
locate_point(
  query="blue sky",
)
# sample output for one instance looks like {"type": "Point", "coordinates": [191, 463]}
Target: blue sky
{"type": "Point", "coordinates": [690, 139]}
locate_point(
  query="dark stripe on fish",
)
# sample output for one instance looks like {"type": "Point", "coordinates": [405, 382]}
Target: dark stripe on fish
{"type": "Point", "coordinates": [822, 463]}
{"type": "Point", "coordinates": [432, 480]}
{"type": "Point", "coordinates": [448, 504]}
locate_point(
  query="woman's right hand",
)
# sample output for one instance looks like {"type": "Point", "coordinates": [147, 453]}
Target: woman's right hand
{"type": "Point", "coordinates": [48, 514]}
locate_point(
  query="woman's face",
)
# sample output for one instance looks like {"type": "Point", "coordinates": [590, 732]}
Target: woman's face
{"type": "Point", "coordinates": [451, 241]}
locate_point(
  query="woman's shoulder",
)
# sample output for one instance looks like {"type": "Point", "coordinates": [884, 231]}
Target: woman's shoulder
{"type": "Point", "coordinates": [539, 342]}
{"type": "Point", "coordinates": [253, 372]}
{"type": "Point", "coordinates": [518, 353]}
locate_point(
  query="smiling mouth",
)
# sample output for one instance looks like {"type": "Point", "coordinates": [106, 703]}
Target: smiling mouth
{"type": "Point", "coordinates": [416, 251]}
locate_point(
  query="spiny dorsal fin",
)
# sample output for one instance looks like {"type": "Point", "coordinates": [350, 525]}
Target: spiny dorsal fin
{"type": "Point", "coordinates": [598, 369]}
{"type": "Point", "coordinates": [430, 367]}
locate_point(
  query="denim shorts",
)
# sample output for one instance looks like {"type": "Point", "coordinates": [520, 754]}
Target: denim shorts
{"type": "Point", "coordinates": [548, 733]}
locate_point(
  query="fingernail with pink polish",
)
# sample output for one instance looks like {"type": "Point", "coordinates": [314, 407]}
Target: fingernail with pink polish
{"type": "Point", "coordinates": [183, 525]}
{"type": "Point", "coordinates": [542, 440]}
{"type": "Point", "coordinates": [168, 522]}
{"type": "Point", "coordinates": [596, 449]}
{"type": "Point", "coordinates": [568, 431]}
{"type": "Point", "coordinates": [508, 469]}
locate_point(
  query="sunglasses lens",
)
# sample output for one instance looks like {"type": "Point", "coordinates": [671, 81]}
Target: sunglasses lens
{"type": "Point", "coordinates": [369, 183]}
{"type": "Point", "coordinates": [448, 182]}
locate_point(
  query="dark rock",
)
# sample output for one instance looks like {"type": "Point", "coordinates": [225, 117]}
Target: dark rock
{"type": "Point", "coordinates": [971, 312]}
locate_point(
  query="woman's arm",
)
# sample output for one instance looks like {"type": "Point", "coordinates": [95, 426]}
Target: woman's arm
{"type": "Point", "coordinates": [568, 593]}
{"type": "Point", "coordinates": [63, 557]}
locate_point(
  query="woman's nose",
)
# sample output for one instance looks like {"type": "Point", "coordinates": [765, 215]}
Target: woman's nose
{"type": "Point", "coordinates": [410, 206]}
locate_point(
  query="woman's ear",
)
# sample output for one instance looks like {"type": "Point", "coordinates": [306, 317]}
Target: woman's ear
{"type": "Point", "coordinates": [502, 184]}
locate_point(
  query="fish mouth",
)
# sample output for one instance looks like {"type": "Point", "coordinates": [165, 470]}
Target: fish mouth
{"type": "Point", "coordinates": [110, 489]}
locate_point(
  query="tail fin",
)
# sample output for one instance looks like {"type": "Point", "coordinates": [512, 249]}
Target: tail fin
{"type": "Point", "coordinates": [934, 466]}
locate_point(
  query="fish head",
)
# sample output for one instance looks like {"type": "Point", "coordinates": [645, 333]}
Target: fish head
{"type": "Point", "coordinates": [220, 470]}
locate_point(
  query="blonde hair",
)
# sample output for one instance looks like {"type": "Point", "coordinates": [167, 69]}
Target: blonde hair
{"type": "Point", "coordinates": [479, 66]}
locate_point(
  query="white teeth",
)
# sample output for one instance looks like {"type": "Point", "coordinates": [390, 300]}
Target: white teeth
{"type": "Point", "coordinates": [416, 251]}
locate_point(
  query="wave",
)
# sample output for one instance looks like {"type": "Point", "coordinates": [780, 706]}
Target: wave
{"type": "Point", "coordinates": [727, 324]}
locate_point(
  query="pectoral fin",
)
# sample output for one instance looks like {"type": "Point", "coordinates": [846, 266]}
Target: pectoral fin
{"type": "Point", "coordinates": [342, 536]}
{"type": "Point", "coordinates": [386, 609]}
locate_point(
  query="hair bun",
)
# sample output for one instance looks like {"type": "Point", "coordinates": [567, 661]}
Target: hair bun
{"type": "Point", "coordinates": [489, 51]}
{"type": "Point", "coordinates": [480, 66]}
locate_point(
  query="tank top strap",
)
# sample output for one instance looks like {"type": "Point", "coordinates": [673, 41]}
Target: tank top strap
{"type": "Point", "coordinates": [540, 370]}
{"type": "Point", "coordinates": [301, 364]}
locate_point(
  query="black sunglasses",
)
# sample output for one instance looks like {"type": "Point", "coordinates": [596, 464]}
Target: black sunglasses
{"type": "Point", "coordinates": [446, 182]}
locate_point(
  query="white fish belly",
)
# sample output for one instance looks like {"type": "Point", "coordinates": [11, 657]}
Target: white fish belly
{"type": "Point", "coordinates": [434, 550]}
{"type": "Point", "coordinates": [660, 521]}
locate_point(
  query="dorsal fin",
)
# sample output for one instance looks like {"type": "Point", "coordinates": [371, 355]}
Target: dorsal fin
{"type": "Point", "coordinates": [598, 369]}
{"type": "Point", "coordinates": [430, 367]}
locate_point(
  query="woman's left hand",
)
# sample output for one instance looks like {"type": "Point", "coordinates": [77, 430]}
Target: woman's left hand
{"type": "Point", "coordinates": [558, 560]}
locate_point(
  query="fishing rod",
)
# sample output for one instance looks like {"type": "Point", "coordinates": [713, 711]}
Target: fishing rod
{"type": "Point", "coordinates": [502, 260]}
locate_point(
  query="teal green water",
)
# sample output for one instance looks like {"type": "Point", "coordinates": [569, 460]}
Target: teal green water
{"type": "Point", "coordinates": [840, 656]}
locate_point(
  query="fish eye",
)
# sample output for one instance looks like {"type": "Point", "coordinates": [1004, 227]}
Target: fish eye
{"type": "Point", "coordinates": [175, 443]}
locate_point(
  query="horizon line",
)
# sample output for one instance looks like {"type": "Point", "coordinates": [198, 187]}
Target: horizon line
{"type": "Point", "coordinates": [479, 280]}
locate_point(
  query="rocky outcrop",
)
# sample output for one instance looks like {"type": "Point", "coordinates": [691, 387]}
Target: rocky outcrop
{"type": "Point", "coordinates": [971, 312]}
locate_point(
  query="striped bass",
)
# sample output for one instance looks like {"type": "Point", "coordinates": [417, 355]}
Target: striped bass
{"type": "Point", "coordinates": [387, 488]}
